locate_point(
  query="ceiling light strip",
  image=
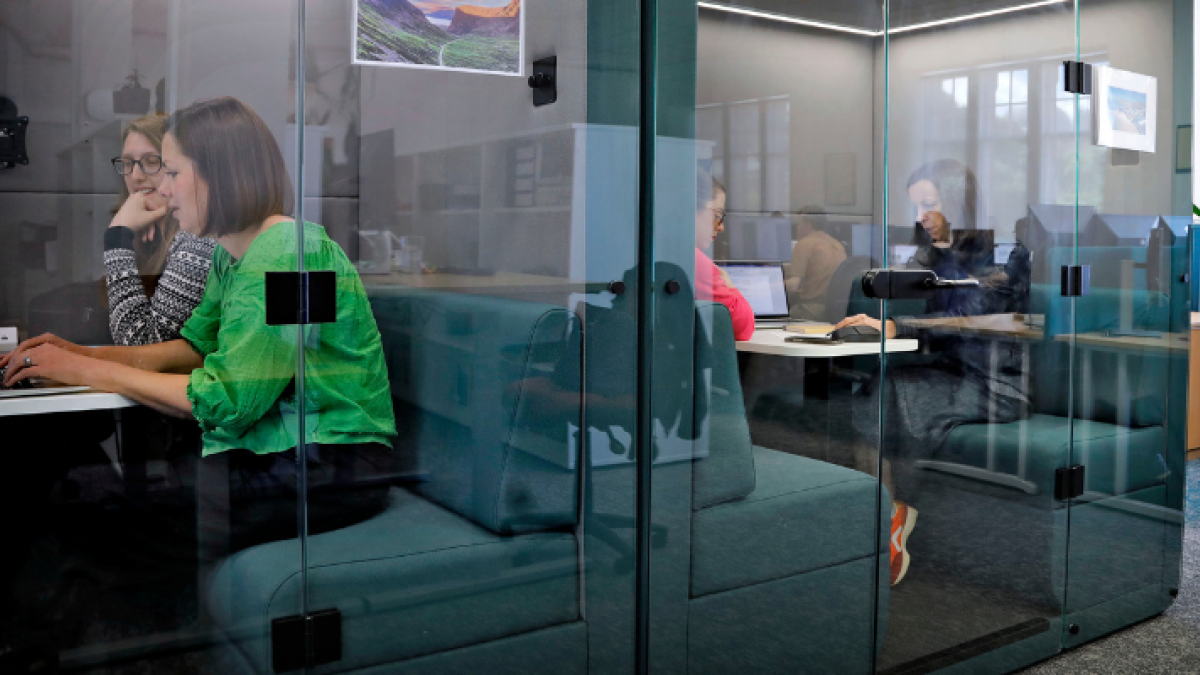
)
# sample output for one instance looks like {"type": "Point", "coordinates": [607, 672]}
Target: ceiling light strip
{"type": "Point", "coordinates": [980, 15]}
{"type": "Point", "coordinates": [771, 16]}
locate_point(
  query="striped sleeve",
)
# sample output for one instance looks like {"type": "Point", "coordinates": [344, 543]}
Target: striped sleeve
{"type": "Point", "coordinates": [135, 319]}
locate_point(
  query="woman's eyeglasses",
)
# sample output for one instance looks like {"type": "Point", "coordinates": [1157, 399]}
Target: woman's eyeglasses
{"type": "Point", "coordinates": [719, 216]}
{"type": "Point", "coordinates": [151, 164]}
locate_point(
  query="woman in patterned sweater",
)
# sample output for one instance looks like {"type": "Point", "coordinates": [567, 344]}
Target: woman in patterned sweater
{"type": "Point", "coordinates": [155, 272]}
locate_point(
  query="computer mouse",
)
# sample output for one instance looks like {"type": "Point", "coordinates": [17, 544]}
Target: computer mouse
{"type": "Point", "coordinates": [857, 333]}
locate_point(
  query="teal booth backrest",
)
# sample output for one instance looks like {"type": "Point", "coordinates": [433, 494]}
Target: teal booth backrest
{"type": "Point", "coordinates": [464, 371]}
{"type": "Point", "coordinates": [1118, 380]}
{"type": "Point", "coordinates": [724, 466]}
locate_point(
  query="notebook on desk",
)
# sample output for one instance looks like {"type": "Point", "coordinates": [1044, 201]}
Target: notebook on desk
{"type": "Point", "coordinates": [762, 286]}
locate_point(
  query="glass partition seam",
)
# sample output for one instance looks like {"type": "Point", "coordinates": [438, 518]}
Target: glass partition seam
{"type": "Point", "coordinates": [301, 446]}
{"type": "Point", "coordinates": [583, 460]}
{"type": "Point", "coordinates": [874, 651]}
{"type": "Point", "coordinates": [647, 136]}
{"type": "Point", "coordinates": [1072, 347]}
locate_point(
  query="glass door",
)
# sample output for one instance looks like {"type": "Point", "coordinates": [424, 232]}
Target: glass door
{"type": "Point", "coordinates": [478, 165]}
{"type": "Point", "coordinates": [982, 212]}
{"type": "Point", "coordinates": [1130, 344]}
{"type": "Point", "coordinates": [765, 552]}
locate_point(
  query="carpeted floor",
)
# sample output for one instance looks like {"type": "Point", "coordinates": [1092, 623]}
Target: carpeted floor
{"type": "Point", "coordinates": [1166, 644]}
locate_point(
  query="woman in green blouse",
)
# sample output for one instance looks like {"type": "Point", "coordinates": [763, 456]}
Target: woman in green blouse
{"type": "Point", "coordinates": [226, 179]}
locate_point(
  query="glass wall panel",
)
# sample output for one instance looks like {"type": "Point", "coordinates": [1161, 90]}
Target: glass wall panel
{"type": "Point", "coordinates": [493, 239]}
{"type": "Point", "coordinates": [143, 490]}
{"type": "Point", "coordinates": [765, 197]}
{"type": "Point", "coordinates": [1130, 345]}
{"type": "Point", "coordinates": [980, 177]}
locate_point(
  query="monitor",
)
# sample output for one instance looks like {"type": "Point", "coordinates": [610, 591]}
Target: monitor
{"type": "Point", "coordinates": [762, 286]}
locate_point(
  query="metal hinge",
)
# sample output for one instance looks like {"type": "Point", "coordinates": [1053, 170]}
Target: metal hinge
{"type": "Point", "coordinates": [301, 297]}
{"type": "Point", "coordinates": [1068, 482]}
{"type": "Point", "coordinates": [304, 642]}
{"type": "Point", "coordinates": [1077, 78]}
{"type": "Point", "coordinates": [1076, 281]}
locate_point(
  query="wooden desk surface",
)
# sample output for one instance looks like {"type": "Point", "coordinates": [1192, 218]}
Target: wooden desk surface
{"type": "Point", "coordinates": [773, 342]}
{"type": "Point", "coordinates": [995, 325]}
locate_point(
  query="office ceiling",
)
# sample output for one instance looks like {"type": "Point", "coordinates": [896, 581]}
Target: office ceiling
{"type": "Point", "coordinates": [868, 14]}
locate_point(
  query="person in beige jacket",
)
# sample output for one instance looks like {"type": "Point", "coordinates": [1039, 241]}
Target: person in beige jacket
{"type": "Point", "coordinates": [815, 257]}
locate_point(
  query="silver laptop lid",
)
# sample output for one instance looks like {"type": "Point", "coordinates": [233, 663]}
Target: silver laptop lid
{"type": "Point", "coordinates": [762, 286]}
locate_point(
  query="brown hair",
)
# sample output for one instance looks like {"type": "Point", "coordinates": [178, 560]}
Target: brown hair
{"type": "Point", "coordinates": [152, 255]}
{"type": "Point", "coordinates": [235, 154]}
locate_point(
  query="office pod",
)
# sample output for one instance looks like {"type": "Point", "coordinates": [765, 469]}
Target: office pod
{"type": "Point", "coordinates": [590, 336]}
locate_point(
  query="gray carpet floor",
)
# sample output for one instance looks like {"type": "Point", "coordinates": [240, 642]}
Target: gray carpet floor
{"type": "Point", "coordinates": [1166, 644]}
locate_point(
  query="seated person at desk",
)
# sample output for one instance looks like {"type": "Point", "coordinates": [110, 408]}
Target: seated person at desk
{"type": "Point", "coordinates": [225, 178]}
{"type": "Point", "coordinates": [925, 402]}
{"type": "Point", "coordinates": [711, 281]}
{"type": "Point", "coordinates": [154, 272]}
{"type": "Point", "coordinates": [815, 258]}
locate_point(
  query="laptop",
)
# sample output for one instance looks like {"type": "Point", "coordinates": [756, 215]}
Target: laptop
{"type": "Point", "coordinates": [37, 388]}
{"type": "Point", "coordinates": [762, 286]}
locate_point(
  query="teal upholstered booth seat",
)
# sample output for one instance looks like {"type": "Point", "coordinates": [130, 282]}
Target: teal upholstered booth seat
{"type": "Point", "coordinates": [458, 365]}
{"type": "Point", "coordinates": [481, 547]}
{"type": "Point", "coordinates": [1110, 417]}
{"type": "Point", "coordinates": [785, 548]}
{"type": "Point", "coordinates": [415, 580]}
{"type": "Point", "coordinates": [475, 567]}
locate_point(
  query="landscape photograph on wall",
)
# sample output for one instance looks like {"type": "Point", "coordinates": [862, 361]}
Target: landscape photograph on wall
{"type": "Point", "coordinates": [466, 35]}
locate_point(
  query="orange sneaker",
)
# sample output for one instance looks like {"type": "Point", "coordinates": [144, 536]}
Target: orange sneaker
{"type": "Point", "coordinates": [904, 519]}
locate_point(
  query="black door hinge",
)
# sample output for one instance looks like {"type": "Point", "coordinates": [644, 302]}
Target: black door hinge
{"type": "Point", "coordinates": [544, 81]}
{"type": "Point", "coordinates": [1068, 483]}
{"type": "Point", "coordinates": [1076, 281]}
{"type": "Point", "coordinates": [1077, 78]}
{"type": "Point", "coordinates": [304, 642]}
{"type": "Point", "coordinates": [301, 297]}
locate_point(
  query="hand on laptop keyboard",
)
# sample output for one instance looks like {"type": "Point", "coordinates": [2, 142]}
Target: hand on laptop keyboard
{"type": "Point", "coordinates": [23, 384]}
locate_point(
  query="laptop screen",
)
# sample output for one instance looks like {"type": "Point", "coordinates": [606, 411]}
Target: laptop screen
{"type": "Point", "coordinates": [762, 286]}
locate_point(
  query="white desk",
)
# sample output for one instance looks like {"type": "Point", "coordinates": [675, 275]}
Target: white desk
{"type": "Point", "coordinates": [771, 341]}
{"type": "Point", "coordinates": [57, 403]}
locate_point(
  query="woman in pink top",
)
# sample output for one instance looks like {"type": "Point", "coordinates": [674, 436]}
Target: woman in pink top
{"type": "Point", "coordinates": [711, 282]}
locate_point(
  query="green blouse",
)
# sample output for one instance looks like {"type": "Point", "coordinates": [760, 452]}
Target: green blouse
{"type": "Point", "coordinates": [244, 395]}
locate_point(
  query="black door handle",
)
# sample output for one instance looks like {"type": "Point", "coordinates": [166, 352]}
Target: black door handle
{"type": "Point", "coordinates": [883, 284]}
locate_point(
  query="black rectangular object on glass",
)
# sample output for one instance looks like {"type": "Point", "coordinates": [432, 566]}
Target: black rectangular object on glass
{"type": "Point", "coordinates": [544, 81]}
{"type": "Point", "coordinates": [1076, 281]}
{"type": "Point", "coordinates": [1077, 78]}
{"type": "Point", "coordinates": [301, 297]}
{"type": "Point", "coordinates": [1069, 482]}
{"type": "Point", "coordinates": [290, 650]}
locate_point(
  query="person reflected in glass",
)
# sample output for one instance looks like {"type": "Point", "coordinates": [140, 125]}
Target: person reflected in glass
{"type": "Point", "coordinates": [973, 380]}
{"type": "Point", "coordinates": [154, 272]}
{"type": "Point", "coordinates": [711, 281]}
{"type": "Point", "coordinates": [225, 178]}
{"type": "Point", "coordinates": [815, 257]}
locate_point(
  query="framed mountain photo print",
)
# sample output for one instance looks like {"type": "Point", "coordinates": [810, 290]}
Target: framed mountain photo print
{"type": "Point", "coordinates": [1124, 109]}
{"type": "Point", "coordinates": [474, 36]}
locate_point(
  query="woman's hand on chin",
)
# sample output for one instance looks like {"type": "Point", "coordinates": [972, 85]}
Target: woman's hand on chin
{"type": "Point", "coordinates": [51, 362]}
{"type": "Point", "coordinates": [139, 213]}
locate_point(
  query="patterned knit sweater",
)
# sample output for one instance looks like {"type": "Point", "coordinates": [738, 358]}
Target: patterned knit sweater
{"type": "Point", "coordinates": [135, 319]}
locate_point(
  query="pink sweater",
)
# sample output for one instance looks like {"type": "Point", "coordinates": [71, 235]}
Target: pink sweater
{"type": "Point", "coordinates": [710, 285]}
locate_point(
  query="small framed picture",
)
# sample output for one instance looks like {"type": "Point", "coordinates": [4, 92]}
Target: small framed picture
{"type": "Point", "coordinates": [1124, 109]}
{"type": "Point", "coordinates": [1183, 149]}
{"type": "Point", "coordinates": [468, 36]}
